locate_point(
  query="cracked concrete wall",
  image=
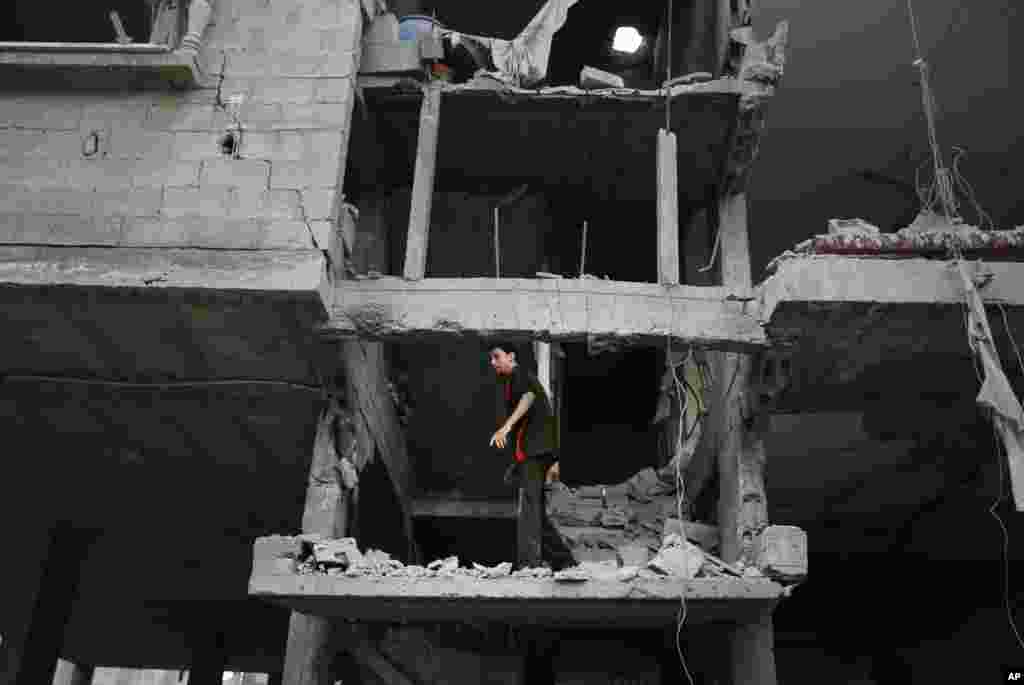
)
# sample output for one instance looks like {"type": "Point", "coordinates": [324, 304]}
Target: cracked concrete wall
{"type": "Point", "coordinates": [147, 169]}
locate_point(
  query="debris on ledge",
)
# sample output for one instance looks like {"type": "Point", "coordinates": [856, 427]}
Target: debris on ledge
{"type": "Point", "coordinates": [930, 235]}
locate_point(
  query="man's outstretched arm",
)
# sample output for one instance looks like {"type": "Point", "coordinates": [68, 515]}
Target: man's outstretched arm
{"type": "Point", "coordinates": [525, 402]}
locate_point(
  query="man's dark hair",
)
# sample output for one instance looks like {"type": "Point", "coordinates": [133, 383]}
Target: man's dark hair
{"type": "Point", "coordinates": [505, 346]}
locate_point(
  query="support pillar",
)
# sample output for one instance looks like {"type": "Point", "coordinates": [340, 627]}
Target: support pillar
{"type": "Point", "coordinates": [752, 652]}
{"type": "Point", "coordinates": [208, 660]}
{"type": "Point", "coordinates": [69, 673]}
{"type": "Point", "coordinates": [423, 184]}
{"type": "Point", "coordinates": [742, 505]}
{"type": "Point", "coordinates": [308, 652]}
{"type": "Point", "coordinates": [32, 639]}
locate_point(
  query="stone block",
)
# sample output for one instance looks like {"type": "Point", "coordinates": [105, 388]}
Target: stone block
{"type": "Point", "coordinates": [322, 115]}
{"type": "Point", "coordinates": [271, 90]}
{"type": "Point", "coordinates": [170, 114]}
{"type": "Point", "coordinates": [276, 65]}
{"type": "Point", "coordinates": [317, 204]}
{"type": "Point", "coordinates": [633, 554]}
{"type": "Point", "coordinates": [275, 554]}
{"type": "Point", "coordinates": [68, 229]}
{"type": "Point", "coordinates": [321, 232]}
{"type": "Point", "coordinates": [18, 198]}
{"type": "Point", "coordinates": [235, 172]}
{"type": "Point", "coordinates": [238, 234]}
{"type": "Point", "coordinates": [197, 145]}
{"type": "Point", "coordinates": [294, 146]}
{"type": "Point", "coordinates": [133, 202]}
{"type": "Point", "coordinates": [229, 202]}
{"type": "Point", "coordinates": [175, 173]}
{"type": "Point", "coordinates": [131, 114]}
{"type": "Point", "coordinates": [40, 113]}
{"type": "Point", "coordinates": [132, 143]}
{"type": "Point", "coordinates": [332, 89]}
{"type": "Point", "coordinates": [303, 175]}
{"type": "Point", "coordinates": [17, 144]}
{"type": "Point", "coordinates": [681, 558]}
{"type": "Point", "coordinates": [38, 173]}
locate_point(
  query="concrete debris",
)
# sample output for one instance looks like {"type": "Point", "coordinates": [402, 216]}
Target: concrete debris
{"type": "Point", "coordinates": [600, 570]}
{"type": "Point", "coordinates": [930, 234]}
{"type": "Point", "coordinates": [703, 535]}
{"type": "Point", "coordinates": [500, 571]}
{"type": "Point", "coordinates": [448, 565]}
{"type": "Point", "coordinates": [533, 572]}
{"type": "Point", "coordinates": [592, 78]}
{"type": "Point", "coordinates": [633, 554]}
{"type": "Point", "coordinates": [677, 557]}
{"type": "Point", "coordinates": [783, 553]}
{"type": "Point", "coordinates": [572, 575]}
{"type": "Point", "coordinates": [614, 518]}
{"type": "Point", "coordinates": [851, 227]}
{"type": "Point", "coordinates": [627, 573]}
{"type": "Point", "coordinates": [343, 552]}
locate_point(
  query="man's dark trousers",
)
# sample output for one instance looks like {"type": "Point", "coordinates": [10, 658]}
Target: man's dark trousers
{"type": "Point", "coordinates": [536, 537]}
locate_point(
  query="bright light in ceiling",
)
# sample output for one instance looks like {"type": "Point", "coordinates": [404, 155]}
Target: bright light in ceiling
{"type": "Point", "coordinates": [228, 675]}
{"type": "Point", "coordinates": [627, 39]}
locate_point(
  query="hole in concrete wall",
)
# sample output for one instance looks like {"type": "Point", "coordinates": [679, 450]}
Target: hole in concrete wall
{"type": "Point", "coordinates": [91, 144]}
{"type": "Point", "coordinates": [229, 144]}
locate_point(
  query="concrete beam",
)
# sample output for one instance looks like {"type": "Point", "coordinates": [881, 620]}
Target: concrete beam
{"type": "Point", "coordinates": [828, 279]}
{"type": "Point", "coordinates": [167, 268]}
{"type": "Point", "coordinates": [638, 602]}
{"type": "Point", "coordinates": [547, 309]}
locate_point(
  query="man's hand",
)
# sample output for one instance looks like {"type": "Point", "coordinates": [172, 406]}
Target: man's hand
{"type": "Point", "coordinates": [499, 437]}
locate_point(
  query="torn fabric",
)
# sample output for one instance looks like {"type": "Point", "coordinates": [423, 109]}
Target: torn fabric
{"type": "Point", "coordinates": [524, 59]}
{"type": "Point", "coordinates": [996, 392]}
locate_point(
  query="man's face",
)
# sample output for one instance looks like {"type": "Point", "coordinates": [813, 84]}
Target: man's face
{"type": "Point", "coordinates": [502, 362]}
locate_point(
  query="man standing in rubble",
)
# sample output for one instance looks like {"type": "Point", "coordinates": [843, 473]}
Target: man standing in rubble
{"type": "Point", "coordinates": [532, 424]}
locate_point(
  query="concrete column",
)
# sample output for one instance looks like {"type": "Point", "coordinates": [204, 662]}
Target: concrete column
{"type": "Point", "coordinates": [69, 673]}
{"type": "Point", "coordinates": [208, 660]}
{"type": "Point", "coordinates": [753, 653]}
{"type": "Point", "coordinates": [34, 633]}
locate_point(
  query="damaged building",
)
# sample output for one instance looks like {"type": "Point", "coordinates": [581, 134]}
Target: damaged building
{"type": "Point", "coordinates": [253, 259]}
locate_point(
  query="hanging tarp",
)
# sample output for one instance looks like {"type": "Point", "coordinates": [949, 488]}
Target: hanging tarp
{"type": "Point", "coordinates": [996, 393]}
{"type": "Point", "coordinates": [524, 59]}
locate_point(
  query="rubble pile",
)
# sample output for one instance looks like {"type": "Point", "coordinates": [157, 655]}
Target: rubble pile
{"type": "Point", "coordinates": [674, 557]}
{"type": "Point", "coordinates": [626, 522]}
{"type": "Point", "coordinates": [930, 235]}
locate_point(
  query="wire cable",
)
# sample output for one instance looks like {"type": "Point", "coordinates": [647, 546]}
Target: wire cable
{"type": "Point", "coordinates": [1001, 458]}
{"type": "Point", "coordinates": [682, 402]}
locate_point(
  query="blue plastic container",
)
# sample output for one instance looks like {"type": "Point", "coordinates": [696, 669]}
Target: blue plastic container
{"type": "Point", "coordinates": [411, 26]}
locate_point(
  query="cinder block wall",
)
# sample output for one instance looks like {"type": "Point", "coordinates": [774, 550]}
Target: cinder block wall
{"type": "Point", "coordinates": [159, 177]}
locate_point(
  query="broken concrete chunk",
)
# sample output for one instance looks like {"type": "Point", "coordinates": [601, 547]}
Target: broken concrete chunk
{"type": "Point", "coordinates": [500, 571]}
{"type": "Point", "coordinates": [703, 534]}
{"type": "Point", "coordinates": [677, 557]}
{"type": "Point", "coordinates": [627, 573]}
{"type": "Point", "coordinates": [342, 552]}
{"type": "Point", "coordinates": [600, 570]}
{"type": "Point", "coordinates": [572, 575]}
{"type": "Point", "coordinates": [284, 566]}
{"type": "Point", "coordinates": [592, 79]}
{"type": "Point", "coordinates": [448, 565]}
{"type": "Point", "coordinates": [533, 572]}
{"type": "Point", "coordinates": [783, 553]}
{"type": "Point", "coordinates": [614, 518]}
{"type": "Point", "coordinates": [633, 554]}
{"type": "Point", "coordinates": [852, 227]}
{"type": "Point", "coordinates": [274, 547]}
